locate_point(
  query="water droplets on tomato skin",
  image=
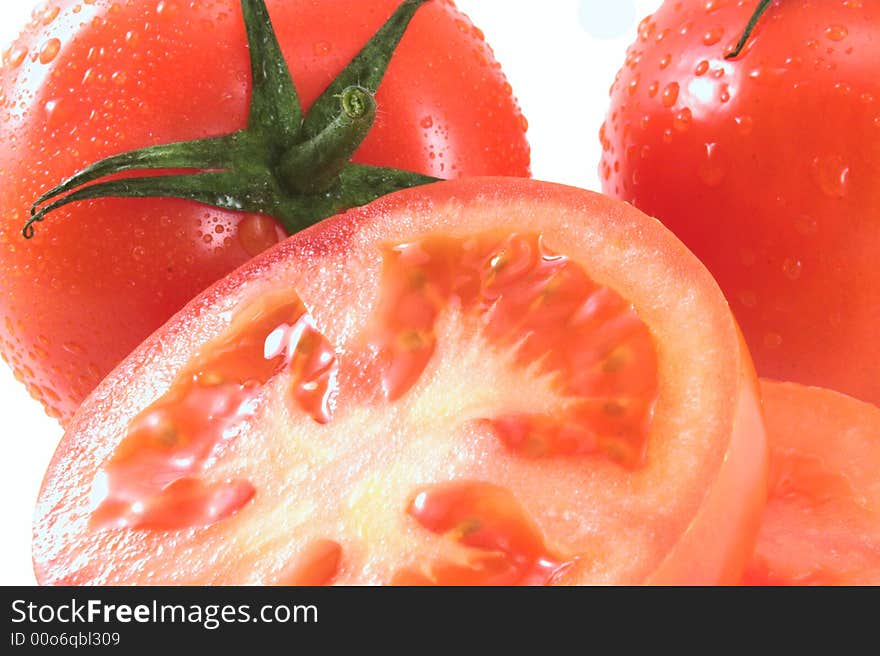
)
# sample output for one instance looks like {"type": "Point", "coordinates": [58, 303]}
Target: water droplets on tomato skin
{"type": "Point", "coordinates": [712, 170]}
{"type": "Point", "coordinates": [744, 124]}
{"type": "Point", "coordinates": [682, 120]}
{"type": "Point", "coordinates": [836, 32]}
{"type": "Point", "coordinates": [49, 50]}
{"type": "Point", "coordinates": [15, 56]}
{"type": "Point", "coordinates": [670, 94]}
{"type": "Point", "coordinates": [256, 233]}
{"type": "Point", "coordinates": [322, 48]}
{"type": "Point", "coordinates": [793, 268]}
{"type": "Point", "coordinates": [713, 36]}
{"type": "Point", "coordinates": [832, 174]}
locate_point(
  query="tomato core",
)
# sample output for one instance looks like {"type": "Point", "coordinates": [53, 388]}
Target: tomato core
{"type": "Point", "coordinates": [544, 308]}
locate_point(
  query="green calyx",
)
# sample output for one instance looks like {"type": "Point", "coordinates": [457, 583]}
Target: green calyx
{"type": "Point", "coordinates": [291, 166]}
{"type": "Point", "coordinates": [750, 27]}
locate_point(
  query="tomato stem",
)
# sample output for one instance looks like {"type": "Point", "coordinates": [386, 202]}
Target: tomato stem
{"type": "Point", "coordinates": [288, 165]}
{"type": "Point", "coordinates": [314, 165]}
{"type": "Point", "coordinates": [750, 27]}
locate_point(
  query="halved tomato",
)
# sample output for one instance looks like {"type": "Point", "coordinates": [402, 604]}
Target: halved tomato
{"type": "Point", "coordinates": [822, 523]}
{"type": "Point", "coordinates": [485, 381]}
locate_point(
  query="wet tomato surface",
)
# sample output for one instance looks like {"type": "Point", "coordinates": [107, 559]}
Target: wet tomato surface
{"type": "Point", "coordinates": [765, 166]}
{"type": "Point", "coordinates": [90, 79]}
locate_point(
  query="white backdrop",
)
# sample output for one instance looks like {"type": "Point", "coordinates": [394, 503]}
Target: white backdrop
{"type": "Point", "coordinates": [559, 55]}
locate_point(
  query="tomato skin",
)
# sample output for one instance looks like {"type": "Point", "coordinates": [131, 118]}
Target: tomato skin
{"type": "Point", "coordinates": [696, 502]}
{"type": "Point", "coordinates": [765, 166]}
{"type": "Point", "coordinates": [744, 470]}
{"type": "Point", "coordinates": [820, 526]}
{"type": "Point", "coordinates": [100, 276]}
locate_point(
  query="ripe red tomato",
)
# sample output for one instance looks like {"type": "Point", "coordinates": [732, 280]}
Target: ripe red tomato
{"type": "Point", "coordinates": [822, 523]}
{"type": "Point", "coordinates": [89, 79]}
{"type": "Point", "coordinates": [766, 167]}
{"type": "Point", "coordinates": [482, 381]}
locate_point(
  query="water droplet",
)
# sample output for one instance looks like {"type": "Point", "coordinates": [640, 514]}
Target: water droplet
{"type": "Point", "coordinates": [713, 36]}
{"type": "Point", "coordinates": [792, 268]}
{"type": "Point", "coordinates": [256, 233]}
{"type": "Point", "coordinates": [50, 14]}
{"type": "Point", "coordinates": [166, 7]}
{"type": "Point", "coordinates": [322, 48]}
{"type": "Point", "coordinates": [670, 94]}
{"type": "Point", "coordinates": [119, 78]}
{"type": "Point", "coordinates": [653, 88]}
{"type": "Point", "coordinates": [744, 124]}
{"type": "Point", "coordinates": [748, 257]}
{"type": "Point", "coordinates": [427, 122]}
{"type": "Point", "coordinates": [16, 56]}
{"type": "Point", "coordinates": [702, 68]}
{"type": "Point", "coordinates": [806, 225]}
{"type": "Point", "coordinates": [831, 173]}
{"type": "Point", "coordinates": [665, 60]}
{"type": "Point", "coordinates": [748, 298]}
{"type": "Point", "coordinates": [633, 84]}
{"type": "Point", "coordinates": [73, 348]}
{"type": "Point", "coordinates": [836, 32]}
{"type": "Point", "coordinates": [711, 170]}
{"type": "Point", "coordinates": [682, 120]}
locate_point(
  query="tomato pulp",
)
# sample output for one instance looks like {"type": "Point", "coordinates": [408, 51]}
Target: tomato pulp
{"type": "Point", "coordinates": [87, 80]}
{"type": "Point", "coordinates": [823, 511]}
{"type": "Point", "coordinates": [765, 166]}
{"type": "Point", "coordinates": [484, 381]}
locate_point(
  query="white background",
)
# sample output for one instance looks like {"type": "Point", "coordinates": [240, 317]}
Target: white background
{"type": "Point", "coordinates": [559, 55]}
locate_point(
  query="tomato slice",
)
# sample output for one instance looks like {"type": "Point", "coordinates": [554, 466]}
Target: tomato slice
{"type": "Point", "coordinates": [482, 382]}
{"type": "Point", "coordinates": [822, 522]}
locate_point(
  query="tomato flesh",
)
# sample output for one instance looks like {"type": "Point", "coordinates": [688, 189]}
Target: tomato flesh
{"type": "Point", "coordinates": [822, 522]}
{"type": "Point", "coordinates": [505, 547]}
{"type": "Point", "coordinates": [318, 564]}
{"type": "Point", "coordinates": [151, 479]}
{"type": "Point", "coordinates": [541, 305]}
{"type": "Point", "coordinates": [546, 309]}
{"type": "Point", "coordinates": [414, 465]}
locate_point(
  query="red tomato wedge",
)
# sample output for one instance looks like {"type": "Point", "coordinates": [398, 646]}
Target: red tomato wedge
{"type": "Point", "coordinates": [483, 381]}
{"type": "Point", "coordinates": [822, 523]}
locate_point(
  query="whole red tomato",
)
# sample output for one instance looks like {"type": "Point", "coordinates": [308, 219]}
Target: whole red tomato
{"type": "Point", "coordinates": [766, 166]}
{"type": "Point", "coordinates": [93, 78]}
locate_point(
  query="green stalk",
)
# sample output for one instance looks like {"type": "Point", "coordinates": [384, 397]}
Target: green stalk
{"type": "Point", "coordinates": [288, 165]}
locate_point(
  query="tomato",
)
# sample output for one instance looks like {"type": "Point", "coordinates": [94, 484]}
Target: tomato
{"type": "Point", "coordinates": [765, 165]}
{"type": "Point", "coordinates": [822, 522]}
{"type": "Point", "coordinates": [482, 381]}
{"type": "Point", "coordinates": [90, 79]}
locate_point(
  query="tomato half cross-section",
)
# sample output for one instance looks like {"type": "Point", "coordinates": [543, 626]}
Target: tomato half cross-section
{"type": "Point", "coordinates": [822, 523]}
{"type": "Point", "coordinates": [483, 381]}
